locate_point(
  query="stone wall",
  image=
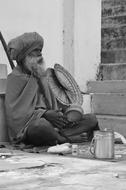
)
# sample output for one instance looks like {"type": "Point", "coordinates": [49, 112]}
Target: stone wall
{"type": "Point", "coordinates": [113, 33]}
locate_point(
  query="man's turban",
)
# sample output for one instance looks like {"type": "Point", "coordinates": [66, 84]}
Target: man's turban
{"type": "Point", "coordinates": [21, 46]}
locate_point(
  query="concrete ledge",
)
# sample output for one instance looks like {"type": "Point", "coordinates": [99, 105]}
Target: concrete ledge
{"type": "Point", "coordinates": [115, 123]}
{"type": "Point", "coordinates": [3, 71]}
{"type": "Point", "coordinates": [109, 104]}
{"type": "Point", "coordinates": [3, 125]}
{"type": "Point", "coordinates": [116, 86]}
{"type": "Point", "coordinates": [3, 83]}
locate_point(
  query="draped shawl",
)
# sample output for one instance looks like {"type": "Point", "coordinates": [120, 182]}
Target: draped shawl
{"type": "Point", "coordinates": [26, 100]}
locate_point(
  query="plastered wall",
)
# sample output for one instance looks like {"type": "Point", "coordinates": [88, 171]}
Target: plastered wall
{"type": "Point", "coordinates": [43, 16]}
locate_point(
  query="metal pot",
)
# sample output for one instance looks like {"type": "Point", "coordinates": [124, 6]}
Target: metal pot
{"type": "Point", "coordinates": [102, 145]}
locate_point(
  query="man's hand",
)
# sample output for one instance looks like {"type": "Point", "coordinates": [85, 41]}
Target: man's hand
{"type": "Point", "coordinates": [37, 71]}
{"type": "Point", "coordinates": [56, 118]}
{"type": "Point", "coordinates": [34, 65]}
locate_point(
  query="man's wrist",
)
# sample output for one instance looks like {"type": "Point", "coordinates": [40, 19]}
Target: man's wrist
{"type": "Point", "coordinates": [44, 114]}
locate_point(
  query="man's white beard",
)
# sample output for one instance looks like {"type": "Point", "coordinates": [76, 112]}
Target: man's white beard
{"type": "Point", "coordinates": [31, 60]}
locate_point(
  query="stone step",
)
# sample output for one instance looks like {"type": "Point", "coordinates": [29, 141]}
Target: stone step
{"type": "Point", "coordinates": [115, 55]}
{"type": "Point", "coordinates": [108, 104]}
{"type": "Point", "coordinates": [115, 123]}
{"type": "Point", "coordinates": [110, 86]}
{"type": "Point", "coordinates": [113, 71]}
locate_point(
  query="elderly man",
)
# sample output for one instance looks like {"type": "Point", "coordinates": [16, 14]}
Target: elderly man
{"type": "Point", "coordinates": [33, 113]}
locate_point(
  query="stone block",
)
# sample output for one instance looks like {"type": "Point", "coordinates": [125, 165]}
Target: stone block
{"type": "Point", "coordinates": [109, 104]}
{"type": "Point", "coordinates": [3, 126]}
{"type": "Point", "coordinates": [109, 56]}
{"type": "Point", "coordinates": [3, 71]}
{"type": "Point", "coordinates": [113, 33]}
{"type": "Point", "coordinates": [112, 44]}
{"type": "Point", "coordinates": [106, 86]}
{"type": "Point", "coordinates": [113, 3]}
{"type": "Point", "coordinates": [114, 123]}
{"type": "Point", "coordinates": [3, 83]}
{"type": "Point", "coordinates": [113, 71]}
{"type": "Point", "coordinates": [109, 10]}
{"type": "Point", "coordinates": [113, 56]}
{"type": "Point", "coordinates": [113, 21]}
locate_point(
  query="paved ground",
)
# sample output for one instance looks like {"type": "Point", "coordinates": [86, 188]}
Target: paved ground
{"type": "Point", "coordinates": [32, 171]}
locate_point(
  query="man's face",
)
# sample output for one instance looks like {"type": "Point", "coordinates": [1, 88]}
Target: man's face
{"type": "Point", "coordinates": [34, 58]}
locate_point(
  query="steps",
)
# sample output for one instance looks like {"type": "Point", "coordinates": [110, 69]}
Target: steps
{"type": "Point", "coordinates": [116, 123]}
{"type": "Point", "coordinates": [108, 97]}
{"type": "Point", "coordinates": [107, 86]}
{"type": "Point", "coordinates": [113, 71]}
{"type": "Point", "coordinates": [108, 102]}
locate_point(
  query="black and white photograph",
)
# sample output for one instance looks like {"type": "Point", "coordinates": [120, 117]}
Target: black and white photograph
{"type": "Point", "coordinates": [62, 94]}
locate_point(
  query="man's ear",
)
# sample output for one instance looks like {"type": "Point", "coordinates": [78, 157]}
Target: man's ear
{"type": "Point", "coordinates": [24, 67]}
